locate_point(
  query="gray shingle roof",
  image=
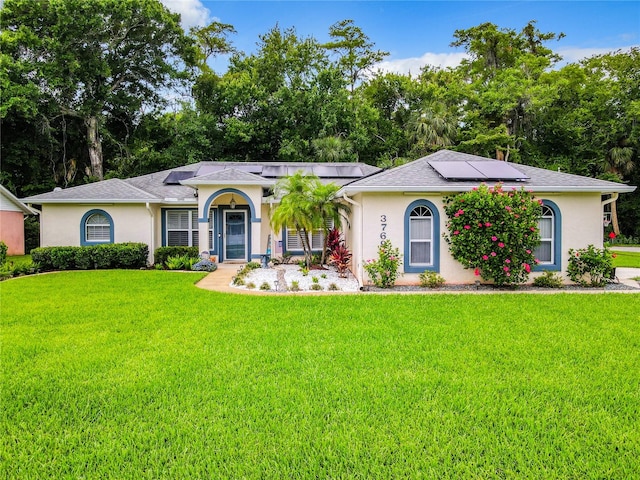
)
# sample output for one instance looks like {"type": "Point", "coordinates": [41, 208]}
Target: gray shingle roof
{"type": "Point", "coordinates": [420, 176]}
{"type": "Point", "coordinates": [229, 175]}
{"type": "Point", "coordinates": [113, 189]}
{"type": "Point", "coordinates": [151, 187]}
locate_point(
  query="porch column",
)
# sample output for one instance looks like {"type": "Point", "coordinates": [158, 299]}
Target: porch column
{"type": "Point", "coordinates": [203, 236]}
{"type": "Point", "coordinates": [256, 249]}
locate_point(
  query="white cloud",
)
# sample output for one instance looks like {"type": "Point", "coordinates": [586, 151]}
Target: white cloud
{"type": "Point", "coordinates": [413, 65]}
{"type": "Point", "coordinates": [575, 54]}
{"type": "Point", "coordinates": [193, 13]}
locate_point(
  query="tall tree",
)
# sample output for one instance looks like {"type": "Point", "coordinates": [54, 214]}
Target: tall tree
{"type": "Point", "coordinates": [90, 58]}
{"type": "Point", "coordinates": [356, 52]}
{"type": "Point", "coordinates": [502, 75]}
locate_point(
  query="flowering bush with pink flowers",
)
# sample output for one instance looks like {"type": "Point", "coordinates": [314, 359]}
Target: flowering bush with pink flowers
{"type": "Point", "coordinates": [494, 232]}
{"type": "Point", "coordinates": [384, 271]}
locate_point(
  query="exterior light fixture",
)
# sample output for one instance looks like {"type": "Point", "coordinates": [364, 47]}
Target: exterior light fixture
{"type": "Point", "coordinates": [232, 203]}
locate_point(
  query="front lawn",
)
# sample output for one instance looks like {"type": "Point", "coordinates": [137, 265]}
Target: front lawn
{"type": "Point", "coordinates": [138, 374]}
{"type": "Point", "coordinates": [626, 259]}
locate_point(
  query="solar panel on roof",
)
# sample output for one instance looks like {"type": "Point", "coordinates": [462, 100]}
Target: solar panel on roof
{"type": "Point", "coordinates": [257, 169]}
{"type": "Point", "coordinates": [498, 170]}
{"type": "Point", "coordinates": [207, 169]}
{"type": "Point", "coordinates": [306, 170]}
{"type": "Point", "coordinates": [349, 171]}
{"type": "Point", "coordinates": [274, 171]}
{"type": "Point", "coordinates": [457, 170]}
{"type": "Point", "coordinates": [325, 171]}
{"type": "Point", "coordinates": [174, 177]}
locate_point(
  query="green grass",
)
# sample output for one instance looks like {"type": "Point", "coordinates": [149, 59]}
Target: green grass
{"type": "Point", "coordinates": [140, 375]}
{"type": "Point", "coordinates": [626, 259]}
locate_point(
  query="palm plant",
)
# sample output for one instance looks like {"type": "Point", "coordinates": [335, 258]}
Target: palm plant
{"type": "Point", "coordinates": [296, 207]}
{"type": "Point", "coordinates": [327, 208]}
{"type": "Point", "coordinates": [432, 128]}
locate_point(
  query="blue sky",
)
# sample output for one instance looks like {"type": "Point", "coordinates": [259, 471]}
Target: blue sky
{"type": "Point", "coordinates": [419, 32]}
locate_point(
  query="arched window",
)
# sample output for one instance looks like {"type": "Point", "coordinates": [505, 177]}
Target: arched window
{"type": "Point", "coordinates": [420, 237]}
{"type": "Point", "coordinates": [422, 232]}
{"type": "Point", "coordinates": [549, 250]}
{"type": "Point", "coordinates": [96, 227]}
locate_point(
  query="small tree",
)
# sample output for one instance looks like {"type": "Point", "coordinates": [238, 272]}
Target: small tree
{"type": "Point", "coordinates": [495, 232]}
{"type": "Point", "coordinates": [296, 208]}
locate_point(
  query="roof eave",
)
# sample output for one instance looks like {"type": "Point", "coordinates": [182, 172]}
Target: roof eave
{"type": "Point", "coordinates": [40, 201]}
{"type": "Point", "coordinates": [196, 183]}
{"type": "Point", "coordinates": [347, 189]}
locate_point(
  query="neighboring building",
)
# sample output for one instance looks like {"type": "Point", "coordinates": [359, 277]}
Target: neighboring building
{"type": "Point", "coordinates": [12, 212]}
{"type": "Point", "coordinates": [224, 208]}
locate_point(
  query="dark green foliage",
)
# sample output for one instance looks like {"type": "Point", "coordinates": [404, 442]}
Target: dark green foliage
{"type": "Point", "coordinates": [548, 280]}
{"type": "Point", "coordinates": [3, 252]}
{"type": "Point", "coordinates": [494, 232]}
{"type": "Point", "coordinates": [591, 266]}
{"type": "Point", "coordinates": [31, 232]}
{"type": "Point", "coordinates": [429, 279]}
{"type": "Point", "coordinates": [161, 254]}
{"type": "Point", "coordinates": [111, 255]}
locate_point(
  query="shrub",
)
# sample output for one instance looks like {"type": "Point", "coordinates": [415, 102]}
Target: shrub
{"type": "Point", "coordinates": [333, 287]}
{"type": "Point", "coordinates": [334, 240]}
{"type": "Point", "coordinates": [252, 265]}
{"type": "Point", "coordinates": [384, 271]}
{"type": "Point", "coordinates": [265, 286]}
{"type": "Point", "coordinates": [251, 285]}
{"type": "Point", "coordinates": [495, 232]}
{"type": "Point", "coordinates": [3, 252]}
{"type": "Point", "coordinates": [205, 266]}
{"type": "Point", "coordinates": [315, 279]}
{"type": "Point", "coordinates": [429, 279]}
{"type": "Point", "coordinates": [108, 255]}
{"type": "Point", "coordinates": [315, 286]}
{"type": "Point", "coordinates": [590, 266]}
{"type": "Point", "coordinates": [238, 280]}
{"type": "Point", "coordinates": [295, 286]}
{"type": "Point", "coordinates": [548, 279]}
{"type": "Point", "coordinates": [162, 253]}
{"type": "Point", "coordinates": [341, 259]}
{"type": "Point", "coordinates": [184, 262]}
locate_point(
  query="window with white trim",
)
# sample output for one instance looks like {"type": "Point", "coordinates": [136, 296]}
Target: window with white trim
{"type": "Point", "coordinates": [97, 228]}
{"type": "Point", "coordinates": [182, 228]}
{"type": "Point", "coordinates": [316, 238]}
{"type": "Point", "coordinates": [545, 251]}
{"type": "Point", "coordinates": [420, 237]}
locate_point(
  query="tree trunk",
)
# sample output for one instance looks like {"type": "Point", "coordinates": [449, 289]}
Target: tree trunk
{"type": "Point", "coordinates": [95, 147]}
{"type": "Point", "coordinates": [614, 218]}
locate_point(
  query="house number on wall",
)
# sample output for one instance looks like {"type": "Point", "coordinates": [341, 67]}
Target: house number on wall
{"type": "Point", "coordinates": [383, 227]}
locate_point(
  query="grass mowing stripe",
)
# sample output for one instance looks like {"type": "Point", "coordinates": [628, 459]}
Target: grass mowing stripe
{"type": "Point", "coordinates": [139, 374]}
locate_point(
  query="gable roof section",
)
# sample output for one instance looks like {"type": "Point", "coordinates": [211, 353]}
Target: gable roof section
{"type": "Point", "coordinates": [228, 176]}
{"type": "Point", "coordinates": [420, 176]}
{"type": "Point", "coordinates": [9, 198]}
{"type": "Point", "coordinates": [112, 190]}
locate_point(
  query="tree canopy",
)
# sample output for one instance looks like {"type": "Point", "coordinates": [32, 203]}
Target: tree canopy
{"type": "Point", "coordinates": [87, 86]}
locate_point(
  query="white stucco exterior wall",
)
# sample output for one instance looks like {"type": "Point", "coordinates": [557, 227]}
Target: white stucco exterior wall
{"type": "Point", "coordinates": [581, 225]}
{"type": "Point", "coordinates": [60, 225]}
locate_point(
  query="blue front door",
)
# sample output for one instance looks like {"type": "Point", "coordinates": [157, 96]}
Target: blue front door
{"type": "Point", "coordinates": [235, 235]}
